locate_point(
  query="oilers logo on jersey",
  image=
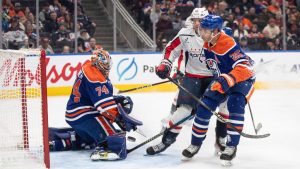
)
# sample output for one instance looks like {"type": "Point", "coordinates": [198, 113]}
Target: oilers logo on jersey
{"type": "Point", "coordinates": [213, 65]}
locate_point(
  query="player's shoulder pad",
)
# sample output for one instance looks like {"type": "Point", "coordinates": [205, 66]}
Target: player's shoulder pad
{"type": "Point", "coordinates": [224, 44]}
{"type": "Point", "coordinates": [186, 32]}
{"type": "Point", "coordinates": [92, 73]}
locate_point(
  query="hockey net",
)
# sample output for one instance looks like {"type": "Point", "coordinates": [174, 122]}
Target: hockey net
{"type": "Point", "coordinates": [23, 110]}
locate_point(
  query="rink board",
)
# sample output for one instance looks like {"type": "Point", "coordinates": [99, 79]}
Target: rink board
{"type": "Point", "coordinates": [274, 70]}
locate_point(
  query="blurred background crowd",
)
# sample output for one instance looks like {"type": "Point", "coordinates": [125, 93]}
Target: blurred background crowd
{"type": "Point", "coordinates": [256, 24]}
{"type": "Point", "coordinates": [56, 25]}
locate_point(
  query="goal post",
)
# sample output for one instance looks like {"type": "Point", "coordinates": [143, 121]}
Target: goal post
{"type": "Point", "coordinates": [23, 109]}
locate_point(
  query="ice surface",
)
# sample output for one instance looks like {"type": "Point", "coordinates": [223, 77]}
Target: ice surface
{"type": "Point", "coordinates": [277, 110]}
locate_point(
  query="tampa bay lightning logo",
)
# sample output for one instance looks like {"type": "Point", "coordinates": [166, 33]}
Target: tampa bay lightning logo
{"type": "Point", "coordinates": [127, 69]}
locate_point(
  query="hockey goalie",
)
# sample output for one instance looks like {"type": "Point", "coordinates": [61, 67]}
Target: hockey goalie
{"type": "Point", "coordinates": [92, 110]}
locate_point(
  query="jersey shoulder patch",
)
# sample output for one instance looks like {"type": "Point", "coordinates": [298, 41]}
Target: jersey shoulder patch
{"type": "Point", "coordinates": [224, 44]}
{"type": "Point", "coordinates": [92, 73]}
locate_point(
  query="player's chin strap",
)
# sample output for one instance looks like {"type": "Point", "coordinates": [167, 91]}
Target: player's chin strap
{"type": "Point", "coordinates": [213, 36]}
{"type": "Point", "coordinates": [197, 31]}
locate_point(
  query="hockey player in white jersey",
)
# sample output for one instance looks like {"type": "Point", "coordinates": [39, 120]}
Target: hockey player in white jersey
{"type": "Point", "coordinates": [187, 47]}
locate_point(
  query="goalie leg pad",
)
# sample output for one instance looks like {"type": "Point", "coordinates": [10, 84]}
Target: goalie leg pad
{"type": "Point", "coordinates": [114, 150]}
{"type": "Point", "coordinates": [101, 154]}
{"type": "Point", "coordinates": [117, 144]}
{"type": "Point", "coordinates": [62, 139]}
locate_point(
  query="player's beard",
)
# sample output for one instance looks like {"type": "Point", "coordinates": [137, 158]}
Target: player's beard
{"type": "Point", "coordinates": [214, 38]}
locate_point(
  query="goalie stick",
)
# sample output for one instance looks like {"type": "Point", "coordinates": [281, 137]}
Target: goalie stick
{"type": "Point", "coordinates": [159, 134]}
{"type": "Point", "coordinates": [218, 115]}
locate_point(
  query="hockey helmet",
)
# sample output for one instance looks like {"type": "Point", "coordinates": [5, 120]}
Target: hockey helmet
{"type": "Point", "coordinates": [212, 22]}
{"type": "Point", "coordinates": [102, 60]}
{"type": "Point", "coordinates": [228, 31]}
{"type": "Point", "coordinates": [199, 13]}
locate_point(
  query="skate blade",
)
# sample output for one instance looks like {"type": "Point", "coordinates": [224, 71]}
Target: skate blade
{"type": "Point", "coordinates": [183, 158]}
{"type": "Point", "coordinates": [226, 163]}
{"type": "Point", "coordinates": [104, 157]}
{"type": "Point", "coordinates": [217, 153]}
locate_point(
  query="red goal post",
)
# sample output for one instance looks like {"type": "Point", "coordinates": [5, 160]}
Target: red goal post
{"type": "Point", "coordinates": [23, 109]}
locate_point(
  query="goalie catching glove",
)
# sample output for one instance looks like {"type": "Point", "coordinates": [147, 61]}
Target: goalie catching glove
{"type": "Point", "coordinates": [163, 70]}
{"type": "Point", "coordinates": [125, 122]}
{"type": "Point", "coordinates": [125, 102]}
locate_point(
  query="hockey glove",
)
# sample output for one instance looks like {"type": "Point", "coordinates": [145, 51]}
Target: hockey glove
{"type": "Point", "coordinates": [125, 122]}
{"type": "Point", "coordinates": [125, 102]}
{"type": "Point", "coordinates": [163, 70]}
{"type": "Point", "coordinates": [178, 75]}
{"type": "Point", "coordinates": [223, 83]}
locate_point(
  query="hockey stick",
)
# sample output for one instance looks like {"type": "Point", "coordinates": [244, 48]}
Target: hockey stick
{"type": "Point", "coordinates": [180, 75]}
{"type": "Point", "coordinates": [142, 87]}
{"type": "Point", "coordinates": [218, 115]}
{"type": "Point", "coordinates": [259, 125]}
{"type": "Point", "coordinates": [159, 134]}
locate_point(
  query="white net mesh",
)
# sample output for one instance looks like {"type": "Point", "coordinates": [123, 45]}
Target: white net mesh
{"type": "Point", "coordinates": [21, 128]}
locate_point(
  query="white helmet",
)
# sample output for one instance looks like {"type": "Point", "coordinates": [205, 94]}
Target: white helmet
{"type": "Point", "coordinates": [199, 13]}
{"type": "Point", "coordinates": [189, 23]}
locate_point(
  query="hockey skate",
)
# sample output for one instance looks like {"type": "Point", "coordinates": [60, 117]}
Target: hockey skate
{"type": "Point", "coordinates": [104, 155]}
{"type": "Point", "coordinates": [189, 152]}
{"type": "Point", "coordinates": [227, 155]}
{"type": "Point", "coordinates": [220, 145]}
{"type": "Point", "coordinates": [168, 139]}
{"type": "Point", "coordinates": [157, 149]}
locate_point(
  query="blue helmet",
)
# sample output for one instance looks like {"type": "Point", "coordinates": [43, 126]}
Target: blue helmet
{"type": "Point", "coordinates": [212, 22]}
{"type": "Point", "coordinates": [228, 31]}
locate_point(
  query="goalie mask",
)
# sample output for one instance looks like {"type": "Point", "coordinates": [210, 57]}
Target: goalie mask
{"type": "Point", "coordinates": [102, 61]}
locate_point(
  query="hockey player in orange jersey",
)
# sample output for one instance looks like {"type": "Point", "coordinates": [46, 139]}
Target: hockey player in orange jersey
{"type": "Point", "coordinates": [187, 47]}
{"type": "Point", "coordinates": [92, 109]}
{"type": "Point", "coordinates": [235, 82]}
